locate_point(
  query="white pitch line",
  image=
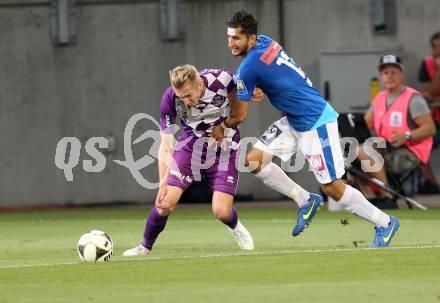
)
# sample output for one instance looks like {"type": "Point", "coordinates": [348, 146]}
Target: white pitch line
{"type": "Point", "coordinates": [237, 254]}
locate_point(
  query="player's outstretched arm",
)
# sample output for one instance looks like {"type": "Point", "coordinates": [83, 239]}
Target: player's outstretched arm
{"type": "Point", "coordinates": [165, 156]}
{"type": "Point", "coordinates": [238, 111]}
{"type": "Point", "coordinates": [237, 115]}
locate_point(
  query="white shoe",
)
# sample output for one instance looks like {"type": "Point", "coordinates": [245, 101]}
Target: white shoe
{"type": "Point", "coordinates": [242, 236]}
{"type": "Point", "coordinates": [137, 251]}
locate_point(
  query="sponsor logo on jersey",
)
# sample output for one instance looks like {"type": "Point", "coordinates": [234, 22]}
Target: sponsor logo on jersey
{"type": "Point", "coordinates": [218, 100]}
{"type": "Point", "coordinates": [230, 179]}
{"type": "Point", "coordinates": [316, 162]}
{"type": "Point", "coordinates": [271, 52]}
{"type": "Point", "coordinates": [241, 88]}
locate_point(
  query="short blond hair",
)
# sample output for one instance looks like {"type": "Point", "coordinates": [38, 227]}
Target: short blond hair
{"type": "Point", "coordinates": [183, 73]}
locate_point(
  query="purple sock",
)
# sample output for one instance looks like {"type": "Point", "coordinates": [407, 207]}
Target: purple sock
{"type": "Point", "coordinates": [155, 224]}
{"type": "Point", "coordinates": [232, 221]}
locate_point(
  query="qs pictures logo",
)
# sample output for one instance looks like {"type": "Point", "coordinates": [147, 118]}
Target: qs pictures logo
{"type": "Point", "coordinates": [69, 148]}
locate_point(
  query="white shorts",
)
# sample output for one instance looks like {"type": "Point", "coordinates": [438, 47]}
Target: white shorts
{"type": "Point", "coordinates": [320, 146]}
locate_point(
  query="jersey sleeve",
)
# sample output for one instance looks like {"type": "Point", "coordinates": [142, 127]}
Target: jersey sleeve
{"type": "Point", "coordinates": [230, 86]}
{"type": "Point", "coordinates": [168, 113]}
{"type": "Point", "coordinates": [246, 80]}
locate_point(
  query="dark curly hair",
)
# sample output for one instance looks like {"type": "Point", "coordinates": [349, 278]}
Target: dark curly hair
{"type": "Point", "coordinates": [245, 21]}
{"type": "Point", "coordinates": [435, 36]}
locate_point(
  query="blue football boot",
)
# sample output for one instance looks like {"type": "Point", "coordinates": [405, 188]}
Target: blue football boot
{"type": "Point", "coordinates": [306, 213]}
{"type": "Point", "coordinates": [383, 235]}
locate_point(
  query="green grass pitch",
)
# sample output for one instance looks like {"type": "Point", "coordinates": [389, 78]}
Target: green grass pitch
{"type": "Point", "coordinates": [196, 259]}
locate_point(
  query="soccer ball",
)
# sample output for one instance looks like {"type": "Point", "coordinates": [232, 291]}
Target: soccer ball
{"type": "Point", "coordinates": [95, 246]}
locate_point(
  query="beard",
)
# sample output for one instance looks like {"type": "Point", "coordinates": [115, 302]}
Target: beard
{"type": "Point", "coordinates": [241, 52]}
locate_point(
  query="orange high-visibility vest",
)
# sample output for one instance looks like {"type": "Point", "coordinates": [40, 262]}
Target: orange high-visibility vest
{"type": "Point", "coordinates": [389, 121]}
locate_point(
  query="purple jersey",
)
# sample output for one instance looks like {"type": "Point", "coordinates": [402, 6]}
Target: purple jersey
{"type": "Point", "coordinates": [212, 109]}
{"type": "Point", "coordinates": [197, 123]}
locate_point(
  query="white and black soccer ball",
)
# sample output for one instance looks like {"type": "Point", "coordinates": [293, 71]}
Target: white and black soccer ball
{"type": "Point", "coordinates": [95, 246]}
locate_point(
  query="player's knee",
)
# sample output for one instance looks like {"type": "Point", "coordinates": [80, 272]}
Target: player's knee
{"type": "Point", "coordinates": [221, 214]}
{"type": "Point", "coordinates": [252, 164]}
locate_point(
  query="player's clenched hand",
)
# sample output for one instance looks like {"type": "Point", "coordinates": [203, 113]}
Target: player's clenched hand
{"type": "Point", "coordinates": [224, 144]}
{"type": "Point", "coordinates": [218, 133]}
{"type": "Point", "coordinates": [221, 136]}
{"type": "Point", "coordinates": [258, 95]}
{"type": "Point", "coordinates": [217, 136]}
{"type": "Point", "coordinates": [161, 195]}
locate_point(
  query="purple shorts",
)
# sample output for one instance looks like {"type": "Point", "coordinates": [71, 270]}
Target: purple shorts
{"type": "Point", "coordinates": [191, 162]}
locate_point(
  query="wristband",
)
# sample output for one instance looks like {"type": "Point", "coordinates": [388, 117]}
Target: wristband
{"type": "Point", "coordinates": [408, 135]}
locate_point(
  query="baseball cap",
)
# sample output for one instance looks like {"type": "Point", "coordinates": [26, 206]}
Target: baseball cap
{"type": "Point", "coordinates": [390, 60]}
